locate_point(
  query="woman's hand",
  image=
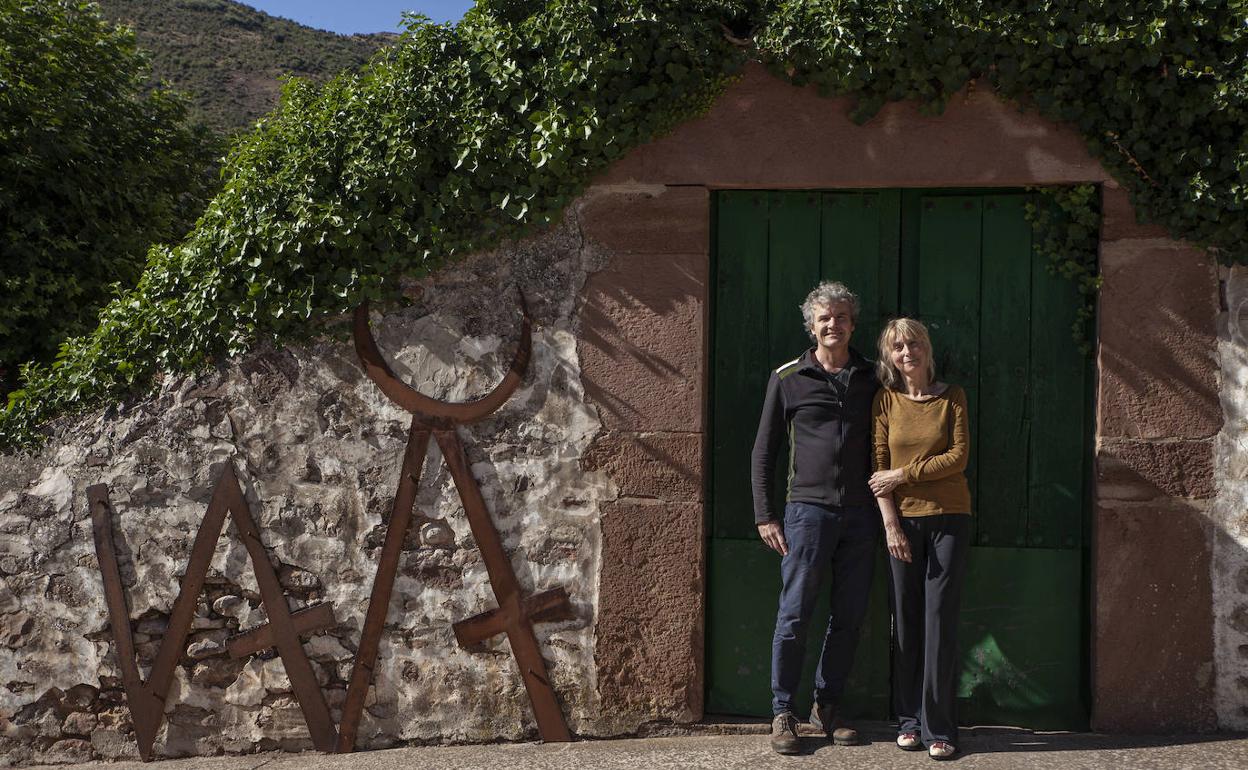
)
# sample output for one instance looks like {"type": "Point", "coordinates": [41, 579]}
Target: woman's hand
{"type": "Point", "coordinates": [884, 482]}
{"type": "Point", "coordinates": [898, 545]}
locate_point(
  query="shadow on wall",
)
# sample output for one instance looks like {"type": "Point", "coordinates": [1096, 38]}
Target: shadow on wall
{"type": "Point", "coordinates": [641, 336]}
{"type": "Point", "coordinates": [641, 341]}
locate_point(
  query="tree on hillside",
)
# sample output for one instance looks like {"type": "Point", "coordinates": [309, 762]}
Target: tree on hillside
{"type": "Point", "coordinates": [230, 58]}
{"type": "Point", "coordinates": [94, 168]}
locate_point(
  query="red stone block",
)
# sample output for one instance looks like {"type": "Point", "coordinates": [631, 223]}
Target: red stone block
{"type": "Point", "coordinates": [663, 220]}
{"type": "Point", "coordinates": [650, 610]}
{"type": "Point", "coordinates": [1143, 470]}
{"type": "Point", "coordinates": [1157, 352]}
{"type": "Point", "coordinates": [642, 342]}
{"type": "Point", "coordinates": [1153, 649]}
{"type": "Point", "coordinates": [663, 466]}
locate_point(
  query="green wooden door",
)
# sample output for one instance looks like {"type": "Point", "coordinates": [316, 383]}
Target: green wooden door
{"type": "Point", "coordinates": [960, 261]}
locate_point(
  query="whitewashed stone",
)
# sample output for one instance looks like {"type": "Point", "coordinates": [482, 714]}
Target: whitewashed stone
{"type": "Point", "coordinates": [326, 647]}
{"type": "Point", "coordinates": [229, 606]}
{"type": "Point", "coordinates": [79, 723]}
{"type": "Point", "coordinates": [56, 487]}
{"type": "Point", "coordinates": [1230, 510]}
{"type": "Point", "coordinates": [318, 449]}
{"type": "Point", "coordinates": [437, 534]}
{"type": "Point", "coordinates": [207, 647]}
{"type": "Point", "coordinates": [248, 688]}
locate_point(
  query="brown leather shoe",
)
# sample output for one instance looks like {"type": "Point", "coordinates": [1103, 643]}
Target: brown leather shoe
{"type": "Point", "coordinates": [784, 734]}
{"type": "Point", "coordinates": [823, 717]}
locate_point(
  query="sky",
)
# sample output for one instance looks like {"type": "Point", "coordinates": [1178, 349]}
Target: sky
{"type": "Point", "coordinates": [350, 16]}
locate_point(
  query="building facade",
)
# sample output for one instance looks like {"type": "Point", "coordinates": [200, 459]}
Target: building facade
{"type": "Point", "coordinates": [611, 471]}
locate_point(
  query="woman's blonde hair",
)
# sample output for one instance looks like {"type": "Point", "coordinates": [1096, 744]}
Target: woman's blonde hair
{"type": "Point", "coordinates": [902, 329]}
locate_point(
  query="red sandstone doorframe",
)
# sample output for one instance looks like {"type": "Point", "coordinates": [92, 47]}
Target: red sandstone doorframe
{"type": "Point", "coordinates": [643, 352]}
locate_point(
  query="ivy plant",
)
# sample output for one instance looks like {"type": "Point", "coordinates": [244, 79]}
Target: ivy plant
{"type": "Point", "coordinates": [1066, 224]}
{"type": "Point", "coordinates": [463, 134]}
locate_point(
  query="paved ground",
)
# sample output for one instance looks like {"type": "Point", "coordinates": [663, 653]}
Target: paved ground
{"type": "Point", "coordinates": [983, 747]}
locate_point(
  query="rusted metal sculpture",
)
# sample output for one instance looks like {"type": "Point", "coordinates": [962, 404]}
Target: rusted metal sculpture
{"type": "Point", "coordinates": [147, 699]}
{"type": "Point", "coordinates": [515, 614]}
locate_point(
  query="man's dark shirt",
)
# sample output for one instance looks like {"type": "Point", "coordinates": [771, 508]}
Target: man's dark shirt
{"type": "Point", "coordinates": [826, 420]}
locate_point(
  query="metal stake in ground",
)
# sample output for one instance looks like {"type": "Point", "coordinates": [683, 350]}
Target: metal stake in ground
{"type": "Point", "coordinates": [515, 614]}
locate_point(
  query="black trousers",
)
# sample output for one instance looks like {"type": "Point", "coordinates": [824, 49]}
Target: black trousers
{"type": "Point", "coordinates": [927, 593]}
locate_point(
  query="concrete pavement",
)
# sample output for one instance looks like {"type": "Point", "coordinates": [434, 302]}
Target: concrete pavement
{"type": "Point", "coordinates": [732, 750]}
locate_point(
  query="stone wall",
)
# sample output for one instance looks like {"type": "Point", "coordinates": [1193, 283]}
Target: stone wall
{"type": "Point", "coordinates": [318, 449]}
{"type": "Point", "coordinates": [594, 470]}
{"type": "Point", "coordinates": [1157, 416]}
{"type": "Point", "coordinates": [1230, 512]}
{"type": "Point", "coordinates": [643, 348]}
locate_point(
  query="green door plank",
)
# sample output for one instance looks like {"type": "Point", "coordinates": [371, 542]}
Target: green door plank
{"type": "Point", "coordinates": [1022, 654]}
{"type": "Point", "coordinates": [1058, 410]}
{"type": "Point", "coordinates": [792, 271]}
{"type": "Point", "coordinates": [1004, 426]}
{"type": "Point", "coordinates": [738, 663]}
{"type": "Point", "coordinates": [851, 252]}
{"type": "Point", "coordinates": [908, 267]}
{"type": "Point", "coordinates": [948, 274]}
{"type": "Point", "coordinates": [743, 580]}
{"type": "Point", "coordinates": [888, 298]}
{"type": "Point", "coordinates": [740, 355]}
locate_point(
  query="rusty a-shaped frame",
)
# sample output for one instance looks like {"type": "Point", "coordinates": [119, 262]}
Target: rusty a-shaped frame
{"type": "Point", "coordinates": [515, 614]}
{"type": "Point", "coordinates": [147, 698]}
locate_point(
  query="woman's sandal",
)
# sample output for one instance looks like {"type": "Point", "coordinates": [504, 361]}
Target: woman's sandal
{"type": "Point", "coordinates": [939, 750]}
{"type": "Point", "coordinates": [909, 742]}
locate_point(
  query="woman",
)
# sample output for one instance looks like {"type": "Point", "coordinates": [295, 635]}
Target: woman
{"type": "Point", "coordinates": [921, 448]}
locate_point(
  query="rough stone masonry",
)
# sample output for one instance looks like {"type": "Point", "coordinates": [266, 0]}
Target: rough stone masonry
{"type": "Point", "coordinates": [1230, 511]}
{"type": "Point", "coordinates": [318, 449]}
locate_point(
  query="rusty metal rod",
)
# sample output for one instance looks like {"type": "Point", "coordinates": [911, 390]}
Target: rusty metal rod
{"type": "Point", "coordinates": [519, 629]}
{"type": "Point", "coordinates": [409, 398]}
{"type": "Point", "coordinates": [551, 605]}
{"type": "Point", "coordinates": [285, 634]}
{"type": "Point", "coordinates": [146, 710]}
{"type": "Point", "coordinates": [383, 584]}
{"type": "Point", "coordinates": [318, 617]}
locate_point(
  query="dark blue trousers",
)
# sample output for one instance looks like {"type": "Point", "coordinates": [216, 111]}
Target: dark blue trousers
{"type": "Point", "coordinates": [837, 542]}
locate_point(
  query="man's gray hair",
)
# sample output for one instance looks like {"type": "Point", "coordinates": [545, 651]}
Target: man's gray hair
{"type": "Point", "coordinates": [826, 294]}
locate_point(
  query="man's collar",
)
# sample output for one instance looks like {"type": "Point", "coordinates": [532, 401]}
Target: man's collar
{"type": "Point", "coordinates": [856, 360]}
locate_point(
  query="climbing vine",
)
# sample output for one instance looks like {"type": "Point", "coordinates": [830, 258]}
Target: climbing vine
{"type": "Point", "coordinates": [461, 135]}
{"type": "Point", "coordinates": [1066, 226]}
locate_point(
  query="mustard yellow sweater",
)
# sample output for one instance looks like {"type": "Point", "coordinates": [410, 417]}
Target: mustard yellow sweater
{"type": "Point", "coordinates": [930, 440]}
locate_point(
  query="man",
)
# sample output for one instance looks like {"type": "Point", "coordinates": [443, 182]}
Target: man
{"type": "Point", "coordinates": [819, 404]}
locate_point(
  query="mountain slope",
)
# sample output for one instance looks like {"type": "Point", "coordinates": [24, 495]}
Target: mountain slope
{"type": "Point", "coordinates": [229, 57]}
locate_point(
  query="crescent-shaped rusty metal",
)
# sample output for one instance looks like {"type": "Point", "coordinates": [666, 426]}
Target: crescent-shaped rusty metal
{"type": "Point", "coordinates": [417, 403]}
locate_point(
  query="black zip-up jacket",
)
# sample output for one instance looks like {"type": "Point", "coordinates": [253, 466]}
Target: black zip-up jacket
{"type": "Point", "coordinates": [829, 437]}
